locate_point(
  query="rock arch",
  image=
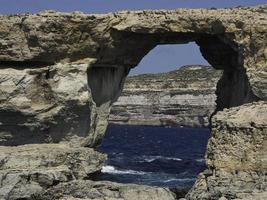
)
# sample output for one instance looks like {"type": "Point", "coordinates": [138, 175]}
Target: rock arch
{"type": "Point", "coordinates": [221, 55]}
{"type": "Point", "coordinates": [116, 42]}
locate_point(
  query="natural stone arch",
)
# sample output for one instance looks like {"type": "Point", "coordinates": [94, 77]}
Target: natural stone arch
{"type": "Point", "coordinates": [233, 88]}
{"type": "Point", "coordinates": [58, 55]}
{"type": "Point", "coordinates": [214, 48]}
{"type": "Point", "coordinates": [52, 40]}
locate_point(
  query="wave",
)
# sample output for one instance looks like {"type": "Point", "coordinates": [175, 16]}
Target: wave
{"type": "Point", "coordinates": [179, 179]}
{"type": "Point", "coordinates": [201, 160]}
{"type": "Point", "coordinates": [153, 158]}
{"type": "Point", "coordinates": [112, 170]}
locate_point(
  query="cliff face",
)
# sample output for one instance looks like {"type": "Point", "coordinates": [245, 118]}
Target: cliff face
{"type": "Point", "coordinates": [236, 156]}
{"type": "Point", "coordinates": [184, 97]}
{"type": "Point", "coordinates": [43, 104]}
{"type": "Point", "coordinates": [60, 73]}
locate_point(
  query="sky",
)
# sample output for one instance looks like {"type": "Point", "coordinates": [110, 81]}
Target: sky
{"type": "Point", "coordinates": [162, 58]}
{"type": "Point", "coordinates": [104, 6]}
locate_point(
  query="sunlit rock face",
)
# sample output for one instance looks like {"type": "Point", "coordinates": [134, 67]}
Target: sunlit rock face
{"type": "Point", "coordinates": [43, 104]}
{"type": "Point", "coordinates": [30, 169]}
{"type": "Point", "coordinates": [184, 97]}
{"type": "Point", "coordinates": [60, 72]}
{"type": "Point", "coordinates": [236, 155]}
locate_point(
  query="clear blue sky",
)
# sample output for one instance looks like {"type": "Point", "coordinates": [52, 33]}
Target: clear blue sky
{"type": "Point", "coordinates": [165, 58]}
{"type": "Point", "coordinates": [162, 58]}
{"type": "Point", "coordinates": [103, 6]}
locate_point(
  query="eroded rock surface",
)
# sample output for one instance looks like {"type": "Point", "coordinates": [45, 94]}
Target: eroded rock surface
{"type": "Point", "coordinates": [110, 45]}
{"type": "Point", "coordinates": [29, 169]}
{"type": "Point", "coordinates": [60, 72]}
{"type": "Point", "coordinates": [104, 190]}
{"type": "Point", "coordinates": [47, 104]}
{"type": "Point", "coordinates": [184, 97]}
{"type": "Point", "coordinates": [236, 155]}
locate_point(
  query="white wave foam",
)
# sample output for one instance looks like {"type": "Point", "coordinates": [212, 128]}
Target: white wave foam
{"type": "Point", "coordinates": [153, 158]}
{"type": "Point", "coordinates": [112, 170]}
{"type": "Point", "coordinates": [200, 160]}
{"type": "Point", "coordinates": [179, 179]}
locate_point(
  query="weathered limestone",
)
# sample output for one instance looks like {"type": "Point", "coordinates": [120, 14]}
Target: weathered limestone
{"type": "Point", "coordinates": [47, 104]}
{"type": "Point", "coordinates": [104, 190]}
{"type": "Point", "coordinates": [236, 155]}
{"type": "Point", "coordinates": [230, 39]}
{"type": "Point", "coordinates": [29, 169]}
{"type": "Point", "coordinates": [58, 171]}
{"type": "Point", "coordinates": [184, 97]}
{"type": "Point", "coordinates": [60, 72]}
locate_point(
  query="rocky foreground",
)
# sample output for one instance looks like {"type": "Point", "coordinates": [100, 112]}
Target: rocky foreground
{"type": "Point", "coordinates": [61, 171]}
{"type": "Point", "coordinates": [236, 166]}
{"type": "Point", "coordinates": [184, 97]}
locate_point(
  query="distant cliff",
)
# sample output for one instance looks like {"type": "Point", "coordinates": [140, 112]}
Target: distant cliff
{"type": "Point", "coordinates": [184, 97]}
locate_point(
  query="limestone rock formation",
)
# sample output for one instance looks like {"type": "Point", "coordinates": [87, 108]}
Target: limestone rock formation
{"type": "Point", "coordinates": [43, 104]}
{"type": "Point", "coordinates": [104, 190]}
{"type": "Point", "coordinates": [184, 97]}
{"type": "Point", "coordinates": [29, 169]}
{"type": "Point", "coordinates": [60, 72]}
{"type": "Point", "coordinates": [108, 46]}
{"type": "Point", "coordinates": [236, 155]}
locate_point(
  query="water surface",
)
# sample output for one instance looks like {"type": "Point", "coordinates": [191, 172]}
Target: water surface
{"type": "Point", "coordinates": [157, 156]}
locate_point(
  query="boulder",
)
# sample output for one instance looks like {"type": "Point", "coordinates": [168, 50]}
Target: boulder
{"type": "Point", "coordinates": [28, 169]}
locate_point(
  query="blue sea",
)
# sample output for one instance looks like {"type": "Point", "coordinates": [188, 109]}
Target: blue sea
{"type": "Point", "coordinates": [157, 156]}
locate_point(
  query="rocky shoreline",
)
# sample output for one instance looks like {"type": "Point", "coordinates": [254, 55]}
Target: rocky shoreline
{"type": "Point", "coordinates": [61, 171]}
{"type": "Point", "coordinates": [236, 168]}
{"type": "Point", "coordinates": [184, 97]}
